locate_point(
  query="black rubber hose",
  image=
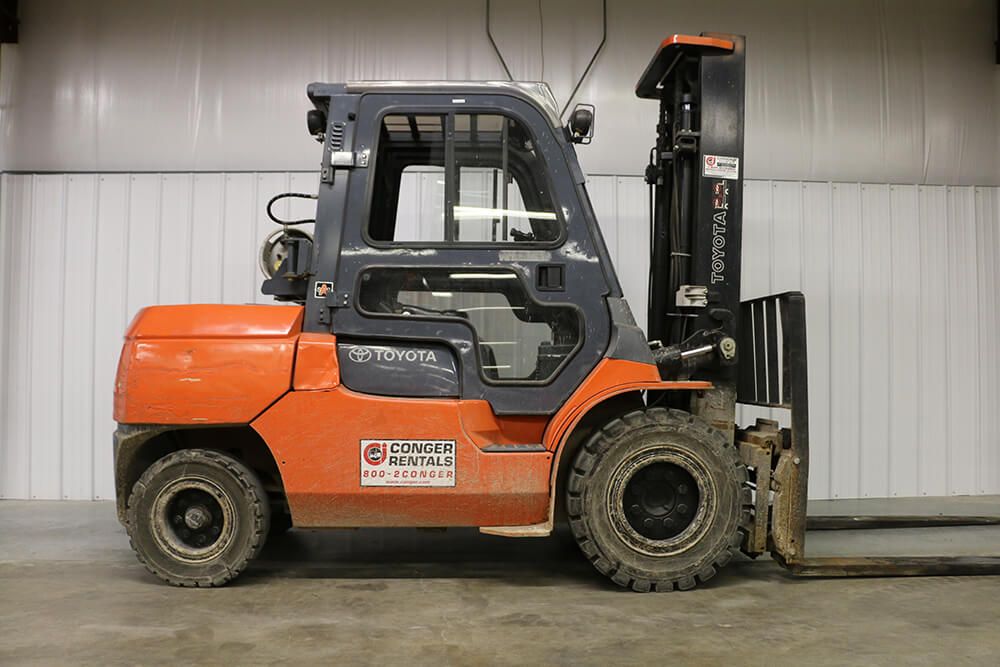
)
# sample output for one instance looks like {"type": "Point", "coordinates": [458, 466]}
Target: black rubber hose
{"type": "Point", "coordinates": [286, 195]}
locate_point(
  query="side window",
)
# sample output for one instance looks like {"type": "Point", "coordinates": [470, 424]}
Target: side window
{"type": "Point", "coordinates": [460, 178]}
{"type": "Point", "coordinates": [518, 339]}
{"type": "Point", "coordinates": [420, 211]}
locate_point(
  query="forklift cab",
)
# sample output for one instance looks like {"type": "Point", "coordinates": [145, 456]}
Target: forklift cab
{"type": "Point", "coordinates": [457, 254]}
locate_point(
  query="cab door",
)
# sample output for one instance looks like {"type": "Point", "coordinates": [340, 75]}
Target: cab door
{"type": "Point", "coordinates": [467, 266]}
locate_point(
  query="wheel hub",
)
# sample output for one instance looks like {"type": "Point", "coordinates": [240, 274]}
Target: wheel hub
{"type": "Point", "coordinates": [193, 519]}
{"type": "Point", "coordinates": [197, 517]}
{"type": "Point", "coordinates": [660, 500]}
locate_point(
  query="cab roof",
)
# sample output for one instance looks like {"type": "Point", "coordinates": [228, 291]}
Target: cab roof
{"type": "Point", "coordinates": [536, 93]}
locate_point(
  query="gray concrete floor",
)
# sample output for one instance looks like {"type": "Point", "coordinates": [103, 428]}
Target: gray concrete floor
{"type": "Point", "coordinates": [72, 593]}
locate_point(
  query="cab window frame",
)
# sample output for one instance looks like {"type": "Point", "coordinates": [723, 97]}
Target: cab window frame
{"type": "Point", "coordinates": [454, 110]}
{"type": "Point", "coordinates": [529, 294]}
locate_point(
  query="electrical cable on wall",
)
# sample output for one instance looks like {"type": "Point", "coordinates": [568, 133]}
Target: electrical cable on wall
{"type": "Point", "coordinates": [541, 39]}
{"type": "Point", "coordinates": [586, 71]}
{"type": "Point", "coordinates": [496, 49]}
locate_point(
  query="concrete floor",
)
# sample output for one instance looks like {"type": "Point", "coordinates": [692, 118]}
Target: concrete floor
{"type": "Point", "coordinates": [72, 592]}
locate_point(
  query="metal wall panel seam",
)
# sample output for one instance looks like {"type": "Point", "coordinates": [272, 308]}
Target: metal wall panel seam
{"type": "Point", "coordinates": [994, 225]}
{"type": "Point", "coordinates": [93, 335]}
{"type": "Point", "coordinates": [29, 339]}
{"type": "Point", "coordinates": [889, 365]}
{"type": "Point", "coordinates": [5, 381]}
{"type": "Point", "coordinates": [918, 211]}
{"type": "Point", "coordinates": [157, 259]}
{"type": "Point", "coordinates": [995, 247]}
{"type": "Point", "coordinates": [76, 232]}
{"type": "Point", "coordinates": [829, 350]}
{"type": "Point", "coordinates": [964, 319]}
{"type": "Point", "coordinates": [26, 306]}
{"type": "Point", "coordinates": [949, 353]}
{"type": "Point", "coordinates": [903, 356]}
{"type": "Point", "coordinates": [771, 264]}
{"type": "Point", "coordinates": [6, 246]}
{"type": "Point", "coordinates": [62, 331]}
{"type": "Point", "coordinates": [223, 202]}
{"type": "Point", "coordinates": [860, 333]}
{"type": "Point", "coordinates": [191, 238]}
{"type": "Point", "coordinates": [253, 242]}
{"type": "Point", "coordinates": [978, 217]}
{"type": "Point", "coordinates": [934, 352]}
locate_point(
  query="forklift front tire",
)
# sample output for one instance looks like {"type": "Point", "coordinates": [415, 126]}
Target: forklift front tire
{"type": "Point", "coordinates": [197, 517]}
{"type": "Point", "coordinates": [658, 500]}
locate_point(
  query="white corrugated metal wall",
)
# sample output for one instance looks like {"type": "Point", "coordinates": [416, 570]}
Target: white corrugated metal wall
{"type": "Point", "coordinates": [900, 283]}
{"type": "Point", "coordinates": [900, 279]}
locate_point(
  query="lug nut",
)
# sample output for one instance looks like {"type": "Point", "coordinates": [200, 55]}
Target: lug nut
{"type": "Point", "coordinates": [683, 509]}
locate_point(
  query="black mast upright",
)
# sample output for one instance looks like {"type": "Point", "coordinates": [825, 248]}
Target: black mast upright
{"type": "Point", "coordinates": [696, 172]}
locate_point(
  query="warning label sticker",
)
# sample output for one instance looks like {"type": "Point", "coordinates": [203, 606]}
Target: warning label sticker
{"type": "Point", "coordinates": [722, 166]}
{"type": "Point", "coordinates": [407, 463]}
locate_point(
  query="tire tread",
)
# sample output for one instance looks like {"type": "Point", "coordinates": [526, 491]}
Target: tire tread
{"type": "Point", "coordinates": [258, 507]}
{"type": "Point", "coordinates": [590, 455]}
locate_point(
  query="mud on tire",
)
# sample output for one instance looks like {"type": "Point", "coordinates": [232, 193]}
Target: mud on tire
{"type": "Point", "coordinates": [658, 500]}
{"type": "Point", "coordinates": [196, 517]}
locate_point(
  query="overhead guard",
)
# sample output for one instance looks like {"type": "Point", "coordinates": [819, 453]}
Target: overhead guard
{"type": "Point", "coordinates": [670, 49]}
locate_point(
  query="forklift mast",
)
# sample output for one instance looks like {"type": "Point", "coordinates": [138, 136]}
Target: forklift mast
{"type": "Point", "coordinates": [696, 215]}
{"type": "Point", "coordinates": [695, 174]}
{"type": "Point", "coordinates": [697, 183]}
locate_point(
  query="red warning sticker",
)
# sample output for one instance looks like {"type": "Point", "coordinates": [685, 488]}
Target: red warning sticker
{"type": "Point", "coordinates": [408, 463]}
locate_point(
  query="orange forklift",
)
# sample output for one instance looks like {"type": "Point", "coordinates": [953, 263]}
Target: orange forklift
{"type": "Point", "coordinates": [452, 347]}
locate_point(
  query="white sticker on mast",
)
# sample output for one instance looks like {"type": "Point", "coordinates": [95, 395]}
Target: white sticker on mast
{"type": "Point", "coordinates": [722, 166]}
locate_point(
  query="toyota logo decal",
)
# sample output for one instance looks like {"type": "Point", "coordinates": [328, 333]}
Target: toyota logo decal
{"type": "Point", "coordinates": [360, 354]}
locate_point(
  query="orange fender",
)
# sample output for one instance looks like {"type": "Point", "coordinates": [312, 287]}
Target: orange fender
{"type": "Point", "coordinates": [611, 377]}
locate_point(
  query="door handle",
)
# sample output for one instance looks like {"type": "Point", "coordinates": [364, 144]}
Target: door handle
{"type": "Point", "coordinates": [551, 277]}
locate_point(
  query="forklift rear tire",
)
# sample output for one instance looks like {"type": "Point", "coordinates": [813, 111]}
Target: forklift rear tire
{"type": "Point", "coordinates": [197, 517]}
{"type": "Point", "coordinates": [658, 500]}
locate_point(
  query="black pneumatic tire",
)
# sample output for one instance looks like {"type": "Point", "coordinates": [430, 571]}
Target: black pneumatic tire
{"type": "Point", "coordinates": [616, 466]}
{"type": "Point", "coordinates": [196, 517]}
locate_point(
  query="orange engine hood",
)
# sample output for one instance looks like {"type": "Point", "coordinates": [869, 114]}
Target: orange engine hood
{"type": "Point", "coordinates": [205, 364]}
{"type": "Point", "coordinates": [216, 321]}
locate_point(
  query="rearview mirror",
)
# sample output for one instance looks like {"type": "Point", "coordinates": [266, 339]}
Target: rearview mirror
{"type": "Point", "coordinates": [581, 124]}
{"type": "Point", "coordinates": [316, 121]}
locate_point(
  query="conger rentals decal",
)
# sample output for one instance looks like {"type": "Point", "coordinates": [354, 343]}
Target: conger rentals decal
{"type": "Point", "coordinates": [408, 463]}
